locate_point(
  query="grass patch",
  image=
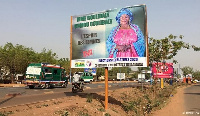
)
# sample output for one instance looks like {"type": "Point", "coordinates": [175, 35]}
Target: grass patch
{"type": "Point", "coordinates": [62, 112]}
{"type": "Point", "coordinates": [89, 98]}
{"type": "Point", "coordinates": [84, 112]}
{"type": "Point", "coordinates": [6, 113]}
{"type": "Point", "coordinates": [101, 109]}
{"type": "Point", "coordinates": [107, 114]}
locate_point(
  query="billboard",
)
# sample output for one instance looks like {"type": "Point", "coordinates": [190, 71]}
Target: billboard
{"type": "Point", "coordinates": [162, 70]}
{"type": "Point", "coordinates": [111, 38]}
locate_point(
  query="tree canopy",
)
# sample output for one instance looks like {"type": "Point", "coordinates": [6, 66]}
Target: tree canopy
{"type": "Point", "coordinates": [165, 49]}
{"type": "Point", "coordinates": [14, 59]}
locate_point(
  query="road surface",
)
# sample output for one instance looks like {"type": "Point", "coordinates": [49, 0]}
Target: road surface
{"type": "Point", "coordinates": [20, 95]}
{"type": "Point", "coordinates": [192, 100]}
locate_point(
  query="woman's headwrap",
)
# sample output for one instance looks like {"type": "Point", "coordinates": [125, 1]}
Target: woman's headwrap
{"type": "Point", "coordinates": [124, 11]}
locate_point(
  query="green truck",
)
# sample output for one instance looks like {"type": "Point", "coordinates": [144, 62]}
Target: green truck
{"type": "Point", "coordinates": [45, 75]}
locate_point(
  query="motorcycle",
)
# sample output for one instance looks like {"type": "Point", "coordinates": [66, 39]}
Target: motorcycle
{"type": "Point", "coordinates": [77, 87]}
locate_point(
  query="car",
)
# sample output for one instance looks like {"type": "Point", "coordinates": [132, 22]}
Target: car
{"type": "Point", "coordinates": [141, 80]}
{"type": "Point", "coordinates": [149, 80]}
{"type": "Point", "coordinates": [196, 81]}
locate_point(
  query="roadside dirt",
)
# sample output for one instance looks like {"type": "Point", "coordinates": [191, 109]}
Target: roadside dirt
{"type": "Point", "coordinates": [175, 105]}
{"type": "Point", "coordinates": [83, 104]}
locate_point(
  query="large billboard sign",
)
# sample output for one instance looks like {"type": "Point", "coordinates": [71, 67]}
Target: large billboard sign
{"type": "Point", "coordinates": [162, 70]}
{"type": "Point", "coordinates": [111, 38]}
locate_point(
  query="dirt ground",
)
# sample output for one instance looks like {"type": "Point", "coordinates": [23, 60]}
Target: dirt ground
{"type": "Point", "coordinates": [84, 104]}
{"type": "Point", "coordinates": [175, 107]}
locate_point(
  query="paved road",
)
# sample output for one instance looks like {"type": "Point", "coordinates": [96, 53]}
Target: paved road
{"type": "Point", "coordinates": [192, 100]}
{"type": "Point", "coordinates": [20, 95]}
{"type": "Point", "coordinates": [5, 91]}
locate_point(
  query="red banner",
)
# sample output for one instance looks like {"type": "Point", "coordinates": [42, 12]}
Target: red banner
{"type": "Point", "coordinates": [162, 70]}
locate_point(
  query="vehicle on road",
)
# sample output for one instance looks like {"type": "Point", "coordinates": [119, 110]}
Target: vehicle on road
{"type": "Point", "coordinates": [77, 87]}
{"type": "Point", "coordinates": [149, 80]}
{"type": "Point", "coordinates": [45, 75]}
{"type": "Point", "coordinates": [141, 78]}
{"type": "Point", "coordinates": [195, 81]}
{"type": "Point", "coordinates": [86, 76]}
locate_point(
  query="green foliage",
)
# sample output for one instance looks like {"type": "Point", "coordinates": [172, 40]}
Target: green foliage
{"type": "Point", "coordinates": [196, 75]}
{"type": "Point", "coordinates": [84, 112]}
{"type": "Point", "coordinates": [6, 113]}
{"type": "Point", "coordinates": [15, 58]}
{"type": "Point", "coordinates": [2, 114]}
{"type": "Point", "coordinates": [144, 103]}
{"type": "Point", "coordinates": [89, 98]}
{"type": "Point", "coordinates": [187, 70]}
{"type": "Point", "coordinates": [66, 113]}
{"type": "Point", "coordinates": [165, 49]}
{"type": "Point", "coordinates": [107, 114]}
{"type": "Point", "coordinates": [100, 72]}
{"type": "Point", "coordinates": [115, 70]}
{"type": "Point", "coordinates": [63, 112]}
{"type": "Point", "coordinates": [101, 109]}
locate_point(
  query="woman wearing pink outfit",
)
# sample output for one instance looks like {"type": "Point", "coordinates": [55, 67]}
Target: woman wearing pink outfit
{"type": "Point", "coordinates": [125, 40]}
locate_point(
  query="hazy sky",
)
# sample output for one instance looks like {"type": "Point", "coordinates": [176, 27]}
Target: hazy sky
{"type": "Point", "coordinates": [46, 23]}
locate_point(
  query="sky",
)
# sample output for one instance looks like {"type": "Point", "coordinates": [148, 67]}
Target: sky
{"type": "Point", "coordinates": [42, 24]}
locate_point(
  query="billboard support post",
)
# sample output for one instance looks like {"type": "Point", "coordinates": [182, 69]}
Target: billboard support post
{"type": "Point", "coordinates": [106, 88]}
{"type": "Point", "coordinates": [162, 83]}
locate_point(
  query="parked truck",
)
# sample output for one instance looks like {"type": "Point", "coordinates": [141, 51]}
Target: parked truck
{"type": "Point", "coordinates": [45, 75]}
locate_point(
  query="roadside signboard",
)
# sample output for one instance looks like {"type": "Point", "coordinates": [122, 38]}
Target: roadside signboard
{"type": "Point", "coordinates": [162, 70]}
{"type": "Point", "coordinates": [120, 76]}
{"type": "Point", "coordinates": [91, 70]}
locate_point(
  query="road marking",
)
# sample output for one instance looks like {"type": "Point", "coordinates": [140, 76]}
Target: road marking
{"type": "Point", "coordinates": [50, 92]}
{"type": "Point", "coordinates": [99, 86]}
{"type": "Point", "coordinates": [87, 87]}
{"type": "Point", "coordinates": [13, 94]}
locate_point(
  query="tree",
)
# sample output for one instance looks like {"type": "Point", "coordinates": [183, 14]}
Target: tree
{"type": "Point", "coordinates": [113, 72]}
{"type": "Point", "coordinates": [165, 49]}
{"type": "Point", "coordinates": [64, 62]}
{"type": "Point", "coordinates": [187, 70]}
{"type": "Point", "coordinates": [196, 75]}
{"type": "Point", "coordinates": [47, 56]}
{"type": "Point", "coordinates": [100, 72]}
{"type": "Point", "coordinates": [15, 59]}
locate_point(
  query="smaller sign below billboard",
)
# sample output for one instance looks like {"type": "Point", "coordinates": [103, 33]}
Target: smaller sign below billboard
{"type": "Point", "coordinates": [120, 76]}
{"type": "Point", "coordinates": [109, 62]}
{"type": "Point", "coordinates": [91, 70]}
{"type": "Point", "coordinates": [162, 70]}
{"type": "Point", "coordinates": [141, 78]}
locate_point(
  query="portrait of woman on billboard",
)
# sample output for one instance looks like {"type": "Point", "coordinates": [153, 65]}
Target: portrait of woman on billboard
{"type": "Point", "coordinates": [126, 39]}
